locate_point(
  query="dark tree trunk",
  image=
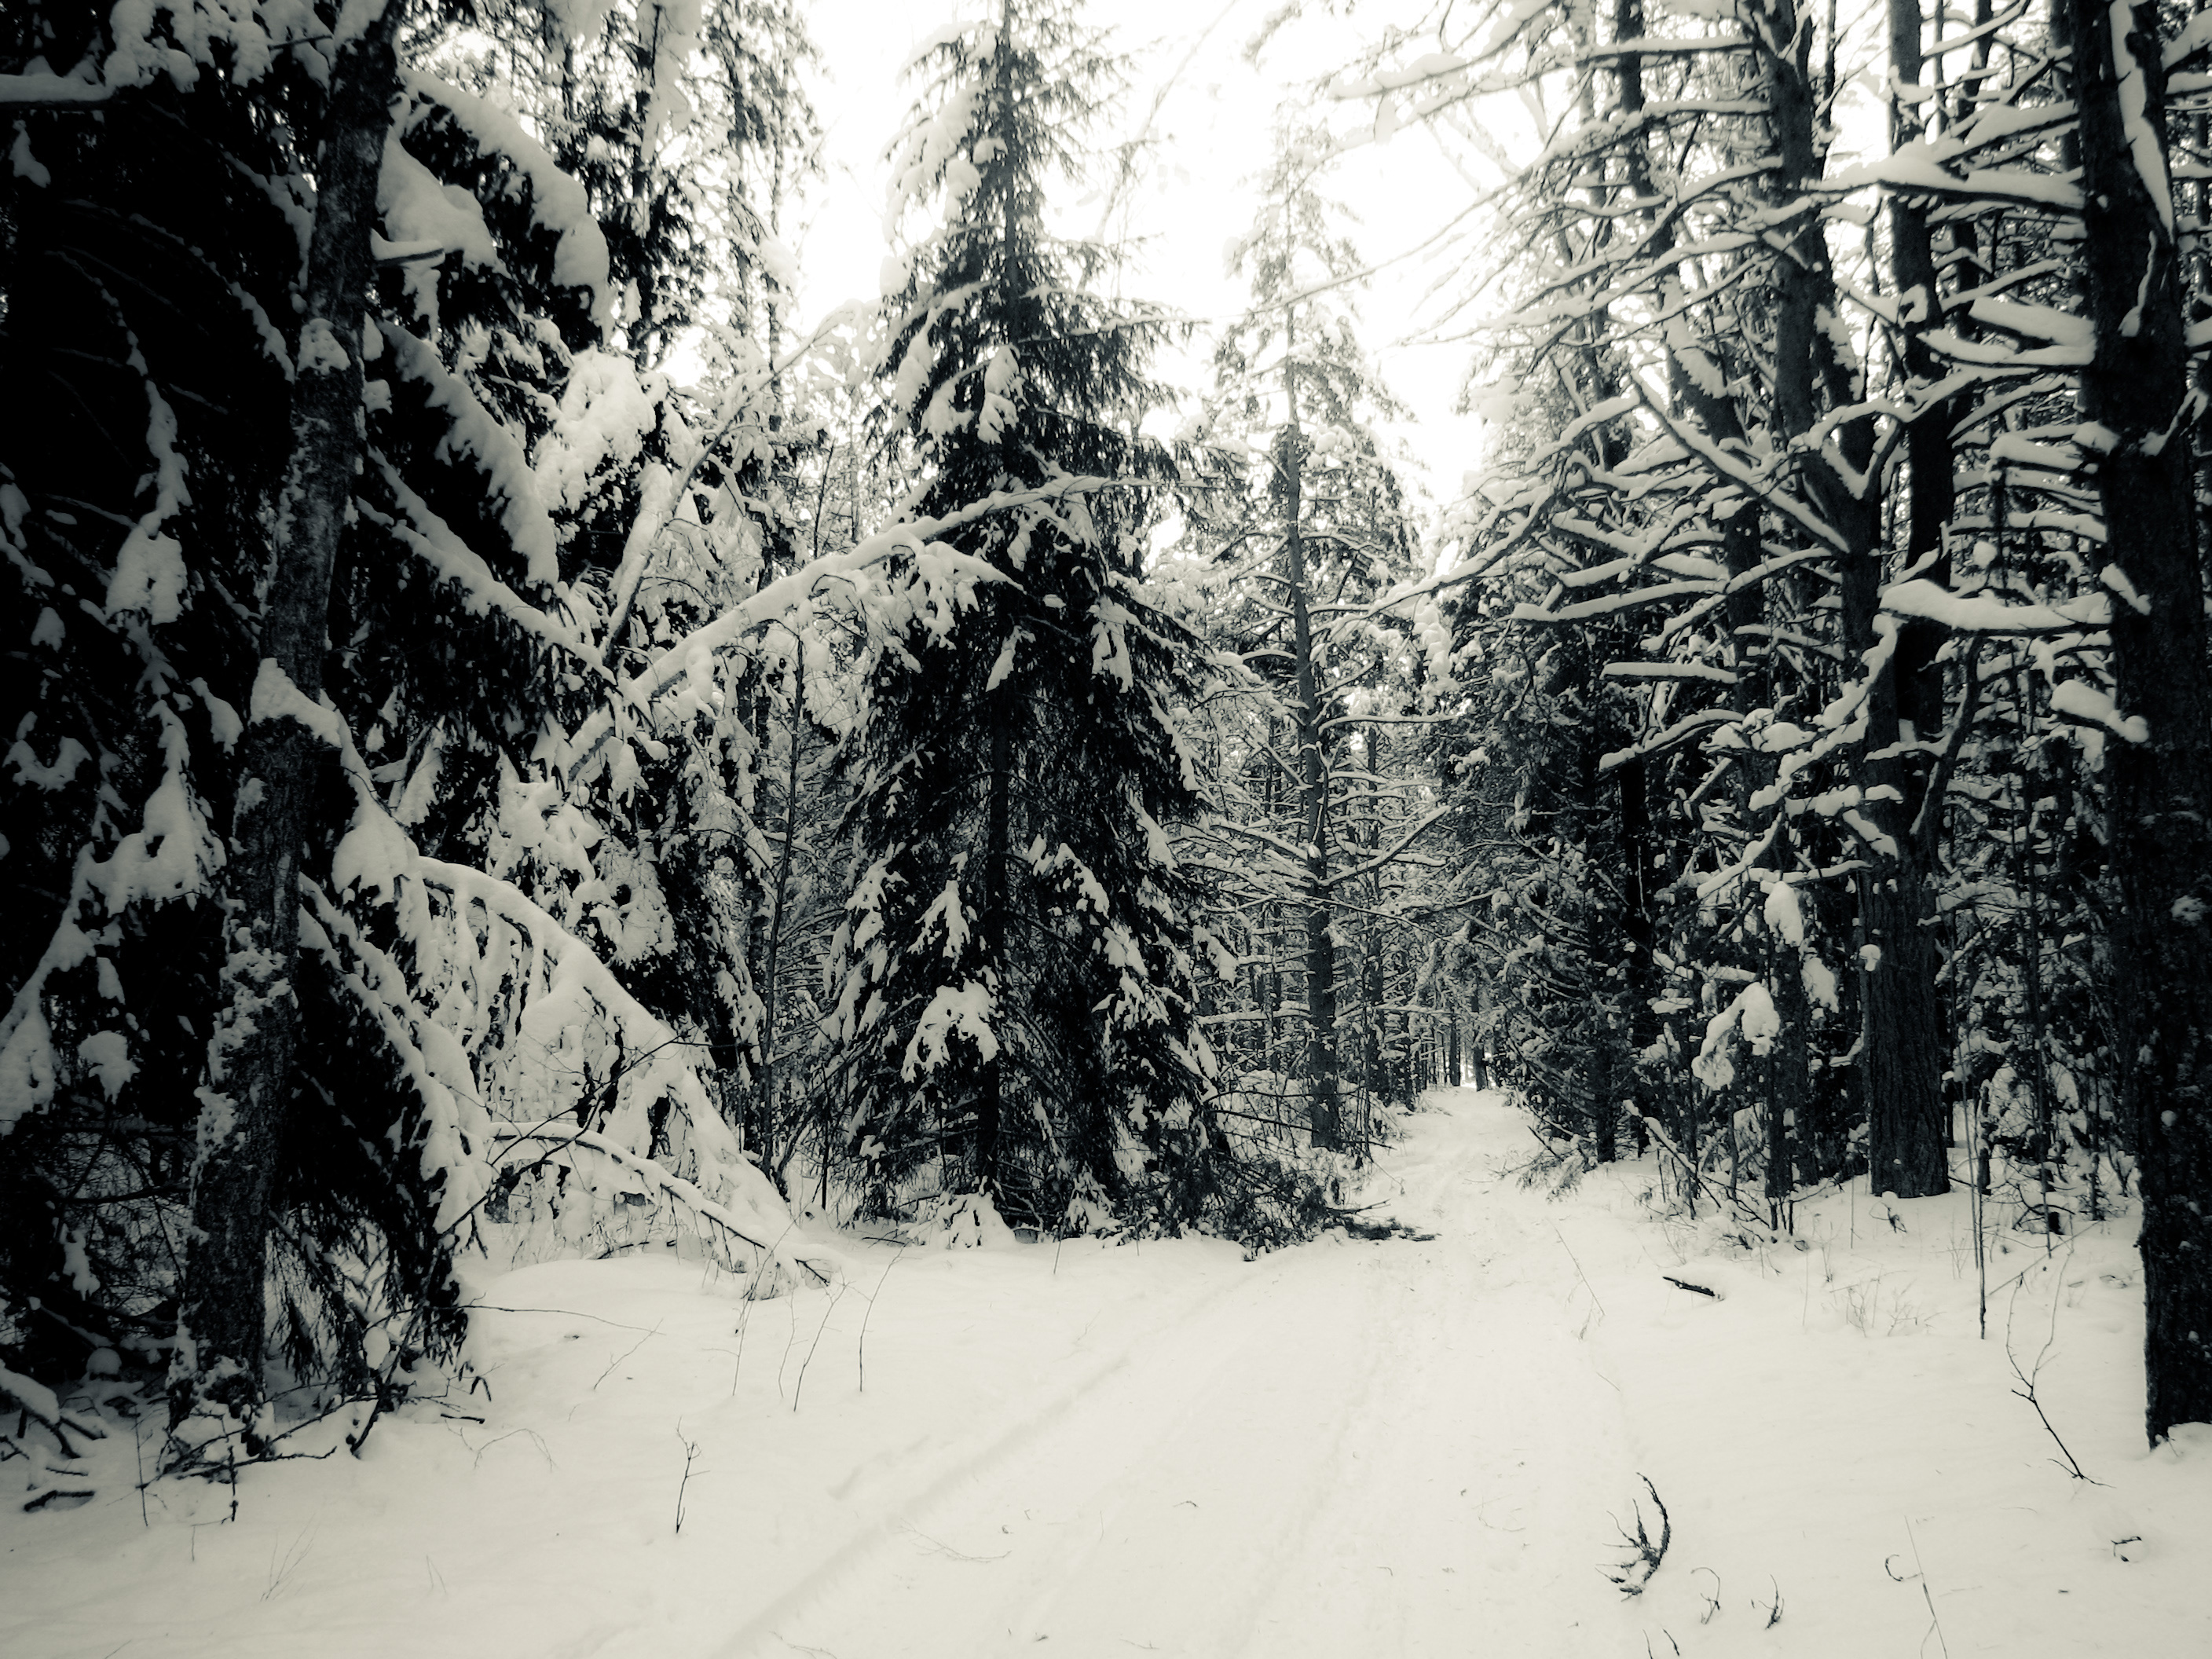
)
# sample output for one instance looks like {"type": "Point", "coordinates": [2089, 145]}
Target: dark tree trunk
{"type": "Point", "coordinates": [1325, 1113]}
{"type": "Point", "coordinates": [1267, 975]}
{"type": "Point", "coordinates": [1605, 1067]}
{"type": "Point", "coordinates": [1641, 929]}
{"type": "Point", "coordinates": [1904, 1044]}
{"type": "Point", "coordinates": [1901, 1018]}
{"type": "Point", "coordinates": [2161, 788]}
{"type": "Point", "coordinates": [1917, 677]}
{"type": "Point", "coordinates": [217, 1368]}
{"type": "Point", "coordinates": [1787, 1077]}
{"type": "Point", "coordinates": [770, 987]}
{"type": "Point", "coordinates": [1404, 1084]}
{"type": "Point", "coordinates": [1325, 1109]}
{"type": "Point", "coordinates": [997, 851]}
{"type": "Point", "coordinates": [1902, 1056]}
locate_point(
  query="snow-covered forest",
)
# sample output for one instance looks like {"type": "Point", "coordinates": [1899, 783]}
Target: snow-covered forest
{"type": "Point", "coordinates": [1584, 1029]}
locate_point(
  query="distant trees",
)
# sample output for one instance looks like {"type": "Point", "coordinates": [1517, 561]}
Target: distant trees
{"type": "Point", "coordinates": [1310, 522]}
{"type": "Point", "coordinates": [1296, 529]}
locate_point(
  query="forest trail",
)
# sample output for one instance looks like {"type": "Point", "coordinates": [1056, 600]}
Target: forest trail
{"type": "Point", "coordinates": [1362, 1449]}
{"type": "Point", "coordinates": [1402, 1449]}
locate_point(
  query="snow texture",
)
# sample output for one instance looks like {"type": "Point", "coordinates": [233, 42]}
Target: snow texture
{"type": "Point", "coordinates": [557, 200]}
{"type": "Point", "coordinates": [422, 214]}
{"type": "Point", "coordinates": [1783, 914]}
{"type": "Point", "coordinates": [149, 567]}
{"type": "Point", "coordinates": [474, 431]}
{"type": "Point", "coordinates": [2145, 147]}
{"type": "Point", "coordinates": [1414, 1447]}
{"type": "Point", "coordinates": [2080, 701]}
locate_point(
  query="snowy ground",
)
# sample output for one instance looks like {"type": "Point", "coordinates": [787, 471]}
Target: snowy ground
{"type": "Point", "coordinates": [1352, 1449]}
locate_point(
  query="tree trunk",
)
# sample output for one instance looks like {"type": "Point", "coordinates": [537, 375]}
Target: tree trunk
{"type": "Point", "coordinates": [1693, 388]}
{"type": "Point", "coordinates": [217, 1372]}
{"type": "Point", "coordinates": [1641, 931]}
{"type": "Point", "coordinates": [1605, 1066]}
{"type": "Point", "coordinates": [997, 850]}
{"type": "Point", "coordinates": [2161, 788]}
{"type": "Point", "coordinates": [1324, 1113]}
{"type": "Point", "coordinates": [1902, 1060]}
{"type": "Point", "coordinates": [1267, 972]}
{"type": "Point", "coordinates": [1908, 1117]}
{"type": "Point", "coordinates": [772, 965]}
{"type": "Point", "coordinates": [1917, 676]}
{"type": "Point", "coordinates": [1786, 1075]}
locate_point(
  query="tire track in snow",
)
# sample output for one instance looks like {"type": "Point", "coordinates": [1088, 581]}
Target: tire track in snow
{"type": "Point", "coordinates": [1200, 1533]}
{"type": "Point", "coordinates": [842, 1570]}
{"type": "Point", "coordinates": [1155, 1513]}
{"type": "Point", "coordinates": [1389, 1450]}
{"type": "Point", "coordinates": [1460, 1524]}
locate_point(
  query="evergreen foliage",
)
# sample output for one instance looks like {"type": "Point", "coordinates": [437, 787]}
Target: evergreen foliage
{"type": "Point", "coordinates": [1019, 1010]}
{"type": "Point", "coordinates": [462, 899]}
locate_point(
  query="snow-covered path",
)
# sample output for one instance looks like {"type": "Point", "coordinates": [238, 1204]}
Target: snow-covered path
{"type": "Point", "coordinates": [1356, 1449]}
{"type": "Point", "coordinates": [1347, 1450]}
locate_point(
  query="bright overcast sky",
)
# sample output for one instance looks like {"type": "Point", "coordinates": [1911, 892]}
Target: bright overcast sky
{"type": "Point", "coordinates": [1211, 129]}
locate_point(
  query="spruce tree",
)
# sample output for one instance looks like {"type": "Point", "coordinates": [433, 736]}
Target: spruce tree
{"type": "Point", "coordinates": [277, 1067]}
{"type": "Point", "coordinates": [1020, 991]}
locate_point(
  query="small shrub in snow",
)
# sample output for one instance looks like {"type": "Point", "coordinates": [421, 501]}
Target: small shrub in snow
{"type": "Point", "coordinates": [1631, 1576]}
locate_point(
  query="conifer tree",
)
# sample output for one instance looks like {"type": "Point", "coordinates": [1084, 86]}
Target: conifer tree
{"type": "Point", "coordinates": [1308, 519]}
{"type": "Point", "coordinates": [1020, 993]}
{"type": "Point", "coordinates": [2135, 389]}
{"type": "Point", "coordinates": [279, 1066]}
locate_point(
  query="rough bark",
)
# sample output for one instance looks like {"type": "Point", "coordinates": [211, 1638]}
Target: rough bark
{"type": "Point", "coordinates": [1267, 972]}
{"type": "Point", "coordinates": [1324, 1113]}
{"type": "Point", "coordinates": [1928, 451]}
{"type": "Point", "coordinates": [2160, 790]}
{"type": "Point", "coordinates": [217, 1373]}
{"type": "Point", "coordinates": [1639, 924]}
{"type": "Point", "coordinates": [1904, 1047]}
{"type": "Point", "coordinates": [1603, 1072]}
{"type": "Point", "coordinates": [1787, 1078]}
